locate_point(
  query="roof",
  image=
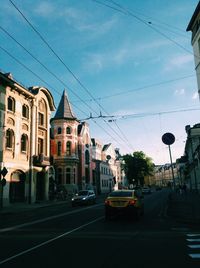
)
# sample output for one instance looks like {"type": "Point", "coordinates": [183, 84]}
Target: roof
{"type": "Point", "coordinates": [105, 147]}
{"type": "Point", "coordinates": [195, 14]}
{"type": "Point", "coordinates": [64, 110]}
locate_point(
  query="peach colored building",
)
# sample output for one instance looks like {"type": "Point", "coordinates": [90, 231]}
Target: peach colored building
{"type": "Point", "coordinates": [70, 147]}
{"type": "Point", "coordinates": [24, 141]}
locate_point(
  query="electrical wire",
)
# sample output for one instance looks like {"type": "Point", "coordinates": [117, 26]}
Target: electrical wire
{"type": "Point", "coordinates": [68, 69]}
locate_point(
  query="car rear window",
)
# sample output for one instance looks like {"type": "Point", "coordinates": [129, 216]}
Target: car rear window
{"type": "Point", "coordinates": [121, 194]}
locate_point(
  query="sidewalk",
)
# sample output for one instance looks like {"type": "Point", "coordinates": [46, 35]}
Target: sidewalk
{"type": "Point", "coordinates": [184, 207]}
{"type": "Point", "coordinates": [23, 207]}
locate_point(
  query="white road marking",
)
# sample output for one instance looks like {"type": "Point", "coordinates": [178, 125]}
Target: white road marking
{"type": "Point", "coordinates": [45, 219]}
{"type": "Point", "coordinates": [191, 235]}
{"type": "Point", "coordinates": [193, 240]}
{"type": "Point", "coordinates": [195, 256]}
{"type": "Point", "coordinates": [194, 246]}
{"type": "Point", "coordinates": [49, 241]}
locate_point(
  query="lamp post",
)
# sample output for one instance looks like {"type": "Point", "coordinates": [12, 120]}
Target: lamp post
{"type": "Point", "coordinates": [168, 139]}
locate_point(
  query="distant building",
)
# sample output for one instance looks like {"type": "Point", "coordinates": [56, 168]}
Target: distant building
{"type": "Point", "coordinates": [25, 141]}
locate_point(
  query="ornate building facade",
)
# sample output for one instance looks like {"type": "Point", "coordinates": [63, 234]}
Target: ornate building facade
{"type": "Point", "coordinates": [25, 141]}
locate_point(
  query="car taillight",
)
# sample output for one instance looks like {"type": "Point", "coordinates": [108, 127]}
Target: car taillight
{"type": "Point", "coordinates": [107, 202]}
{"type": "Point", "coordinates": [132, 202]}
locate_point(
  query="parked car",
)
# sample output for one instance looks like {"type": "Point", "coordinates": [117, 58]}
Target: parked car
{"type": "Point", "coordinates": [146, 190]}
{"type": "Point", "coordinates": [84, 197]}
{"type": "Point", "coordinates": [125, 202]}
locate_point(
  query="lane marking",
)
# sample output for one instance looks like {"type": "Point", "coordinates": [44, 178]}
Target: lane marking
{"type": "Point", "coordinates": [191, 235]}
{"type": "Point", "coordinates": [193, 240]}
{"type": "Point", "coordinates": [194, 246]}
{"type": "Point", "coordinates": [195, 256]}
{"type": "Point", "coordinates": [49, 241]}
{"type": "Point", "coordinates": [45, 219]}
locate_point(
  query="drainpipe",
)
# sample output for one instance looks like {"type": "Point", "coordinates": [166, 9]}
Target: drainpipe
{"type": "Point", "coordinates": [31, 156]}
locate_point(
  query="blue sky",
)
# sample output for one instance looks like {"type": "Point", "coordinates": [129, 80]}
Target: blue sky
{"type": "Point", "coordinates": [134, 64]}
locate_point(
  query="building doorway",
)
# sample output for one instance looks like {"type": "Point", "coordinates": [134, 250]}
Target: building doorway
{"type": "Point", "coordinates": [17, 187]}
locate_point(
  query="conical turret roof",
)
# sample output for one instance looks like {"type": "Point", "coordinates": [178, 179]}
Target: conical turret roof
{"type": "Point", "coordinates": [64, 110]}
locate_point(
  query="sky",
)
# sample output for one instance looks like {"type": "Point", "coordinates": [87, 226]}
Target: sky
{"type": "Point", "coordinates": [127, 64]}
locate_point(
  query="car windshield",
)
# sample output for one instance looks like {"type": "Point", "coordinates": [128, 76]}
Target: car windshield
{"type": "Point", "coordinates": [83, 193]}
{"type": "Point", "coordinates": [121, 194]}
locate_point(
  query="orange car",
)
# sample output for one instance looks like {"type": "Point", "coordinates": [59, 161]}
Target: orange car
{"type": "Point", "coordinates": [129, 202]}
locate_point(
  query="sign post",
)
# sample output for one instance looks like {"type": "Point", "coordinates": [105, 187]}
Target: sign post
{"type": "Point", "coordinates": [3, 173]}
{"type": "Point", "coordinates": [168, 139]}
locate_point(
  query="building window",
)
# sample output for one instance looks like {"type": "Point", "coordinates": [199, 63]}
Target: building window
{"type": "Point", "coordinates": [11, 104]}
{"type": "Point", "coordinates": [68, 175]}
{"type": "Point", "coordinates": [25, 111]}
{"type": "Point", "coordinates": [74, 175]}
{"type": "Point", "coordinates": [68, 148]}
{"type": "Point", "coordinates": [59, 146]}
{"type": "Point", "coordinates": [9, 138]}
{"type": "Point", "coordinates": [59, 176]}
{"type": "Point", "coordinates": [87, 157]}
{"type": "Point", "coordinates": [24, 140]}
{"type": "Point", "coordinates": [59, 130]}
{"type": "Point", "coordinates": [40, 119]}
{"type": "Point", "coordinates": [68, 130]}
{"type": "Point", "coordinates": [40, 146]}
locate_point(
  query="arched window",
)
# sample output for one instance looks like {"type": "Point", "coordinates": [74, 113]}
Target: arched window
{"type": "Point", "coordinates": [24, 140]}
{"type": "Point", "coordinates": [68, 148]}
{"type": "Point", "coordinates": [59, 130]}
{"type": "Point", "coordinates": [25, 111]}
{"type": "Point", "coordinates": [87, 157]}
{"type": "Point", "coordinates": [68, 130]}
{"type": "Point", "coordinates": [9, 138]}
{"type": "Point", "coordinates": [59, 148]}
{"type": "Point", "coordinates": [68, 175]}
{"type": "Point", "coordinates": [11, 104]}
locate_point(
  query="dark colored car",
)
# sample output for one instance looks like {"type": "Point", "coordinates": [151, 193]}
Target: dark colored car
{"type": "Point", "coordinates": [84, 197]}
{"type": "Point", "coordinates": [146, 190]}
{"type": "Point", "coordinates": [126, 202]}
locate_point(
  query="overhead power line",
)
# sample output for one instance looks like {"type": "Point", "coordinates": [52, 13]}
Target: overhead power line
{"type": "Point", "coordinates": [68, 69]}
{"type": "Point", "coordinates": [128, 12]}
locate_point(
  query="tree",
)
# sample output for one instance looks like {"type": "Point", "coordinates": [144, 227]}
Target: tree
{"type": "Point", "coordinates": [137, 166]}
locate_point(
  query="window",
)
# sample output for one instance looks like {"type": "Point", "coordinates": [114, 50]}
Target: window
{"type": "Point", "coordinates": [87, 157]}
{"type": "Point", "coordinates": [40, 119]}
{"type": "Point", "coordinates": [11, 104]}
{"type": "Point", "coordinates": [59, 130]}
{"type": "Point", "coordinates": [40, 146]}
{"type": "Point", "coordinates": [74, 175]}
{"type": "Point", "coordinates": [68, 130]}
{"type": "Point", "coordinates": [59, 176]}
{"type": "Point", "coordinates": [68, 175]}
{"type": "Point", "coordinates": [59, 148]}
{"type": "Point", "coordinates": [68, 148]}
{"type": "Point", "coordinates": [25, 111]}
{"type": "Point", "coordinates": [24, 140]}
{"type": "Point", "coordinates": [9, 138]}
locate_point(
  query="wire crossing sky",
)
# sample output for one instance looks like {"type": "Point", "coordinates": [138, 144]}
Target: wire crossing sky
{"type": "Point", "coordinates": [127, 59]}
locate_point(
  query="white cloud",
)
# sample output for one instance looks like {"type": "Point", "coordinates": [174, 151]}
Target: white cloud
{"type": "Point", "coordinates": [178, 62]}
{"type": "Point", "coordinates": [195, 96]}
{"type": "Point", "coordinates": [179, 92]}
{"type": "Point", "coordinates": [45, 9]}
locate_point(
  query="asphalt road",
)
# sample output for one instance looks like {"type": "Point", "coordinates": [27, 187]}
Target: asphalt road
{"type": "Point", "coordinates": [63, 236]}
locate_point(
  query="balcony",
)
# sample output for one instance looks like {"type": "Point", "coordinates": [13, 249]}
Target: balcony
{"type": "Point", "coordinates": [41, 160]}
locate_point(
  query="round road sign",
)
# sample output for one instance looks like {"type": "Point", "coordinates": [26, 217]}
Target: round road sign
{"type": "Point", "coordinates": [168, 138]}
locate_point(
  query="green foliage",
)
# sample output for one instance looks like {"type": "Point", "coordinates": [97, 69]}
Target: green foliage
{"type": "Point", "coordinates": [137, 166]}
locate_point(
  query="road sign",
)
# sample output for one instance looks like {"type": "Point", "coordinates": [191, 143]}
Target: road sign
{"type": "Point", "coordinates": [168, 138]}
{"type": "Point", "coordinates": [4, 171]}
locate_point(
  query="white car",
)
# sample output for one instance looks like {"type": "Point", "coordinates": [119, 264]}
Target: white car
{"type": "Point", "coordinates": [84, 197]}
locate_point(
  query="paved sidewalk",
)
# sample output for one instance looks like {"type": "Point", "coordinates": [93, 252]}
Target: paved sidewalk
{"type": "Point", "coordinates": [23, 207]}
{"type": "Point", "coordinates": [184, 207]}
